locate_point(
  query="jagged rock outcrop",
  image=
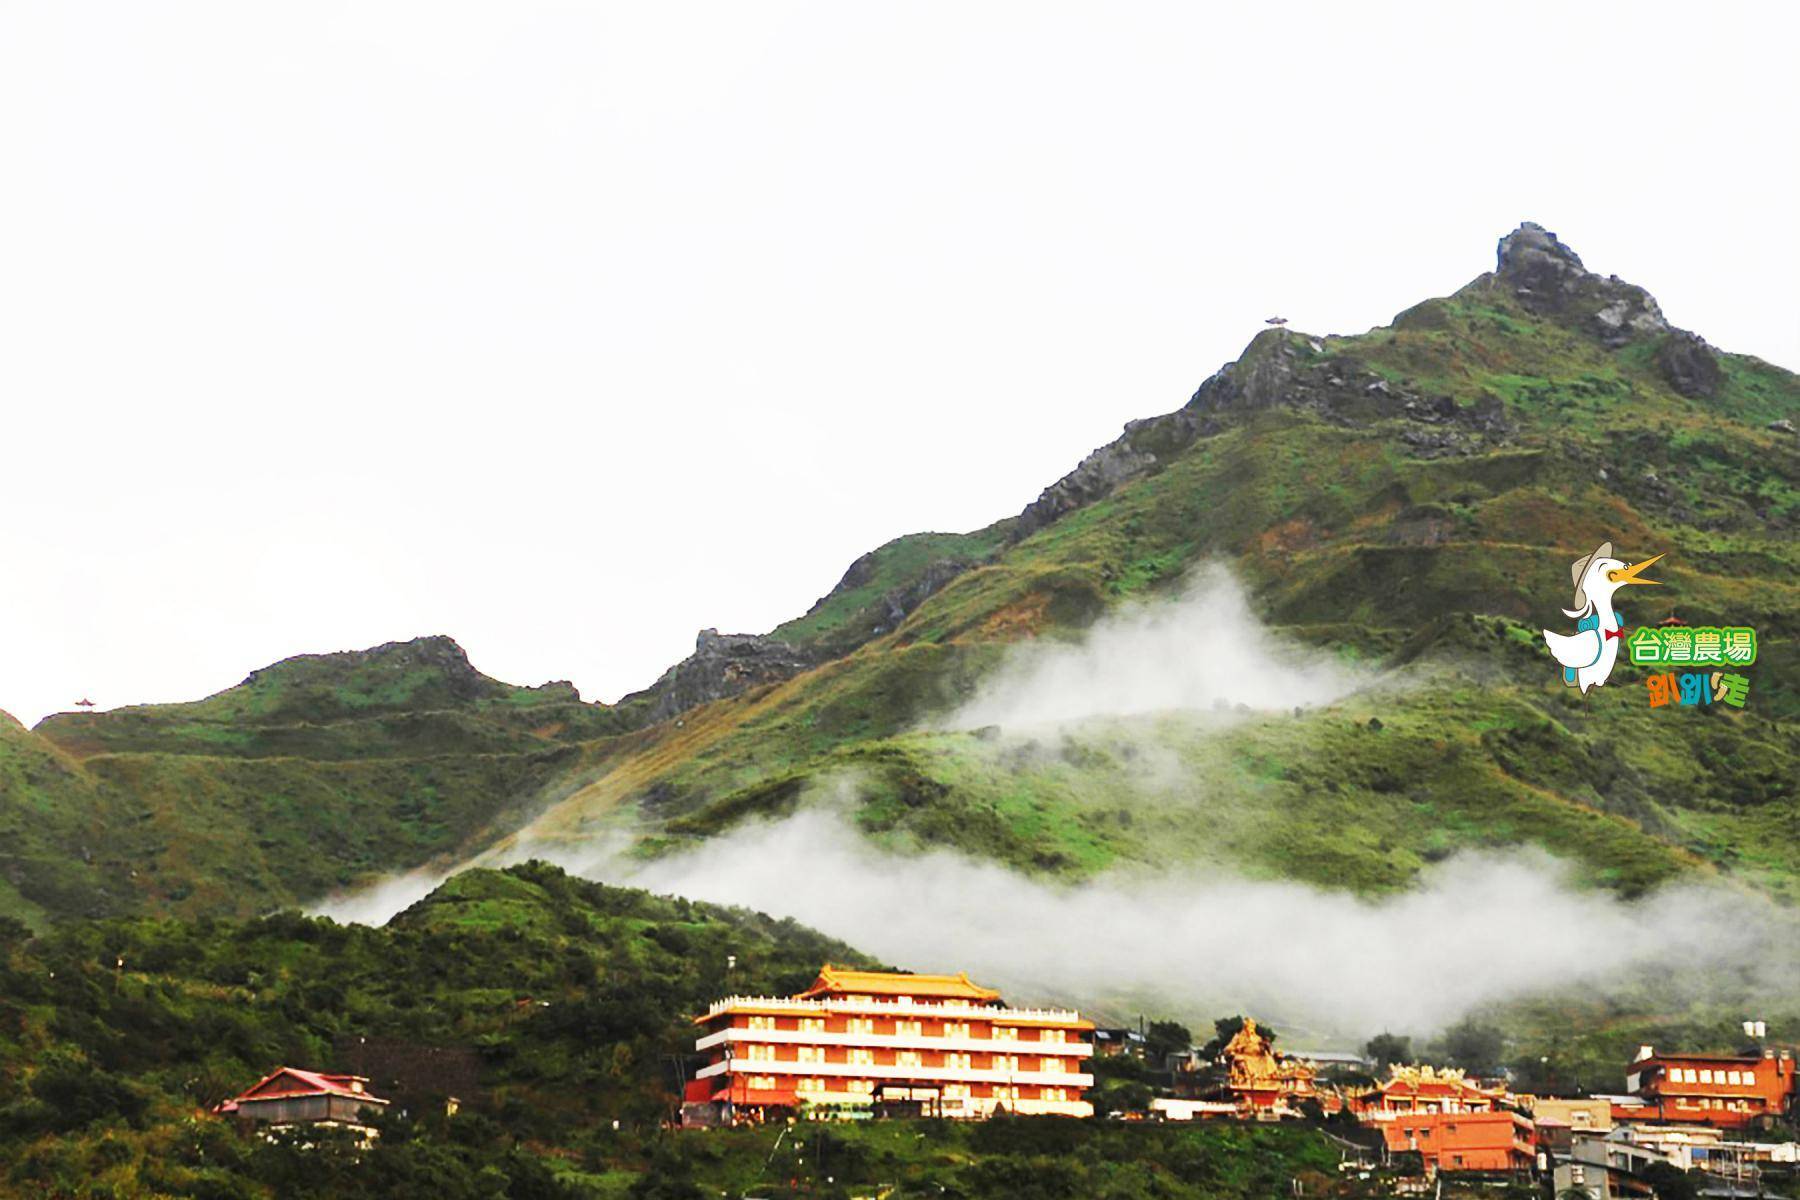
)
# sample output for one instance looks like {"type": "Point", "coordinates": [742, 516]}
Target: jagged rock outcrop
{"type": "Point", "coordinates": [1263, 376]}
{"type": "Point", "coordinates": [722, 664]}
{"type": "Point", "coordinates": [1690, 365]}
{"type": "Point", "coordinates": [896, 603]}
{"type": "Point", "coordinates": [1280, 368]}
{"type": "Point", "coordinates": [1547, 278]}
{"type": "Point", "coordinates": [1134, 454]}
{"type": "Point", "coordinates": [891, 607]}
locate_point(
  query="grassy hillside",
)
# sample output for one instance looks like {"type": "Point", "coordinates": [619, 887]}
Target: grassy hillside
{"type": "Point", "coordinates": [552, 1007]}
{"type": "Point", "coordinates": [311, 775]}
{"type": "Point", "coordinates": [1407, 499]}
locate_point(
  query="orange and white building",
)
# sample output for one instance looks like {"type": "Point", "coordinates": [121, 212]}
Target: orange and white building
{"type": "Point", "coordinates": [937, 1044]}
{"type": "Point", "coordinates": [1725, 1091]}
{"type": "Point", "coordinates": [1495, 1140]}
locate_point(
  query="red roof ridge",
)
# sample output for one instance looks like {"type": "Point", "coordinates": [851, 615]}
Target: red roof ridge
{"type": "Point", "coordinates": [315, 1083]}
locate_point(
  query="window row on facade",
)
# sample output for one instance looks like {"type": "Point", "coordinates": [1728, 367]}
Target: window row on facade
{"type": "Point", "coordinates": [950, 1091]}
{"type": "Point", "coordinates": [904, 1027]}
{"type": "Point", "coordinates": [923, 1059]}
{"type": "Point", "coordinates": [1708, 1075]}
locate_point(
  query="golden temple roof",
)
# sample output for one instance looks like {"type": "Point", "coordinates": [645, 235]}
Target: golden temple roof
{"type": "Point", "coordinates": [841, 981]}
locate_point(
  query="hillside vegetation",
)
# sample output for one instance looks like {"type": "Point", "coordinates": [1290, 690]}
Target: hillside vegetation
{"type": "Point", "coordinates": [556, 1010]}
{"type": "Point", "coordinates": [1405, 502]}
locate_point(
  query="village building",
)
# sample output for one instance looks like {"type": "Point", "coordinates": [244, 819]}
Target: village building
{"type": "Point", "coordinates": [289, 1096]}
{"type": "Point", "coordinates": [1604, 1168]}
{"type": "Point", "coordinates": [1606, 1165]}
{"type": "Point", "coordinates": [1114, 1042]}
{"type": "Point", "coordinates": [936, 1045]}
{"type": "Point", "coordinates": [1493, 1140]}
{"type": "Point", "coordinates": [1426, 1089]}
{"type": "Point", "coordinates": [1174, 1108]}
{"type": "Point", "coordinates": [1726, 1091]}
{"type": "Point", "coordinates": [1561, 1120]}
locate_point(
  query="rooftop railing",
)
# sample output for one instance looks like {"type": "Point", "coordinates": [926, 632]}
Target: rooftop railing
{"type": "Point", "coordinates": [872, 1004]}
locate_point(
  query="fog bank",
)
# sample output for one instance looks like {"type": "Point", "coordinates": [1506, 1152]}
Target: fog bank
{"type": "Point", "coordinates": [1479, 928]}
{"type": "Point", "coordinates": [1202, 650]}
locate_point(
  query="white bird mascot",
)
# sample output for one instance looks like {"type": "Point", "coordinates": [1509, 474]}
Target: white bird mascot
{"type": "Point", "coordinates": [1587, 657]}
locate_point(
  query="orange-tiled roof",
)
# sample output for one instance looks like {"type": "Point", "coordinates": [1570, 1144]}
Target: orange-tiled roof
{"type": "Point", "coordinates": [840, 981]}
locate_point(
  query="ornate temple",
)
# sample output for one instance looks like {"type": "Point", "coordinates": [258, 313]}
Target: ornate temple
{"type": "Point", "coordinates": [1259, 1080]}
{"type": "Point", "coordinates": [1427, 1089]}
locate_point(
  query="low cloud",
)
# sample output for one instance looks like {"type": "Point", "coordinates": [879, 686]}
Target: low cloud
{"type": "Point", "coordinates": [377, 903]}
{"type": "Point", "coordinates": [1203, 651]}
{"type": "Point", "coordinates": [1479, 929]}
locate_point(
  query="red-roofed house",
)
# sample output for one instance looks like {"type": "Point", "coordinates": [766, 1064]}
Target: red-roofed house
{"type": "Point", "coordinates": [290, 1096]}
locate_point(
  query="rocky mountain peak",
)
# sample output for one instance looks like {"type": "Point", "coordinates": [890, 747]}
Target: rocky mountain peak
{"type": "Point", "coordinates": [1534, 257]}
{"type": "Point", "coordinates": [1548, 279]}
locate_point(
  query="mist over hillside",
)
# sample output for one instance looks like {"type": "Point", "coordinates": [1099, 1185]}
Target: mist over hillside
{"type": "Point", "coordinates": [1253, 699]}
{"type": "Point", "coordinates": [1197, 650]}
{"type": "Point", "coordinates": [1201, 939]}
{"type": "Point", "coordinates": [1201, 942]}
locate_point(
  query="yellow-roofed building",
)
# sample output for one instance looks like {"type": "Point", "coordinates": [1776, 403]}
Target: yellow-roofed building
{"type": "Point", "coordinates": [939, 1045]}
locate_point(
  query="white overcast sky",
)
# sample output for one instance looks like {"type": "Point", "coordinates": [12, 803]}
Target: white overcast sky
{"type": "Point", "coordinates": [569, 329]}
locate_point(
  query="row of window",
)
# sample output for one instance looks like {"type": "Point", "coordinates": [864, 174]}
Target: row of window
{"type": "Point", "coordinates": [761, 1052]}
{"type": "Point", "coordinates": [1430, 1106]}
{"type": "Point", "coordinates": [952, 1091]}
{"type": "Point", "coordinates": [1708, 1075]}
{"type": "Point", "coordinates": [1714, 1102]}
{"type": "Point", "coordinates": [948, 1029]}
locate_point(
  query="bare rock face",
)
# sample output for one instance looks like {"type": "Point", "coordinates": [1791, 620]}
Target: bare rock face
{"type": "Point", "coordinates": [896, 603]}
{"type": "Point", "coordinates": [1534, 258]}
{"type": "Point", "coordinates": [892, 606]}
{"type": "Point", "coordinates": [1097, 475]}
{"type": "Point", "coordinates": [1547, 278]}
{"type": "Point", "coordinates": [1690, 365]}
{"type": "Point", "coordinates": [722, 664]}
{"type": "Point", "coordinates": [1280, 368]}
{"type": "Point", "coordinates": [1269, 373]}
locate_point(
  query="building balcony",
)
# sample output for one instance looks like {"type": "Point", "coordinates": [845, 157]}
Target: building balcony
{"type": "Point", "coordinates": [936, 1008]}
{"type": "Point", "coordinates": [757, 1066]}
{"type": "Point", "coordinates": [896, 1041]}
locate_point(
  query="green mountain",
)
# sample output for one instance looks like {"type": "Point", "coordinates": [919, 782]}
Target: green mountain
{"type": "Point", "coordinates": [1406, 501]}
{"type": "Point", "coordinates": [310, 775]}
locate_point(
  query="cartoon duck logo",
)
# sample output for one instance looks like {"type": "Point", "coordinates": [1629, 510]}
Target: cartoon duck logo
{"type": "Point", "coordinates": [1587, 657]}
